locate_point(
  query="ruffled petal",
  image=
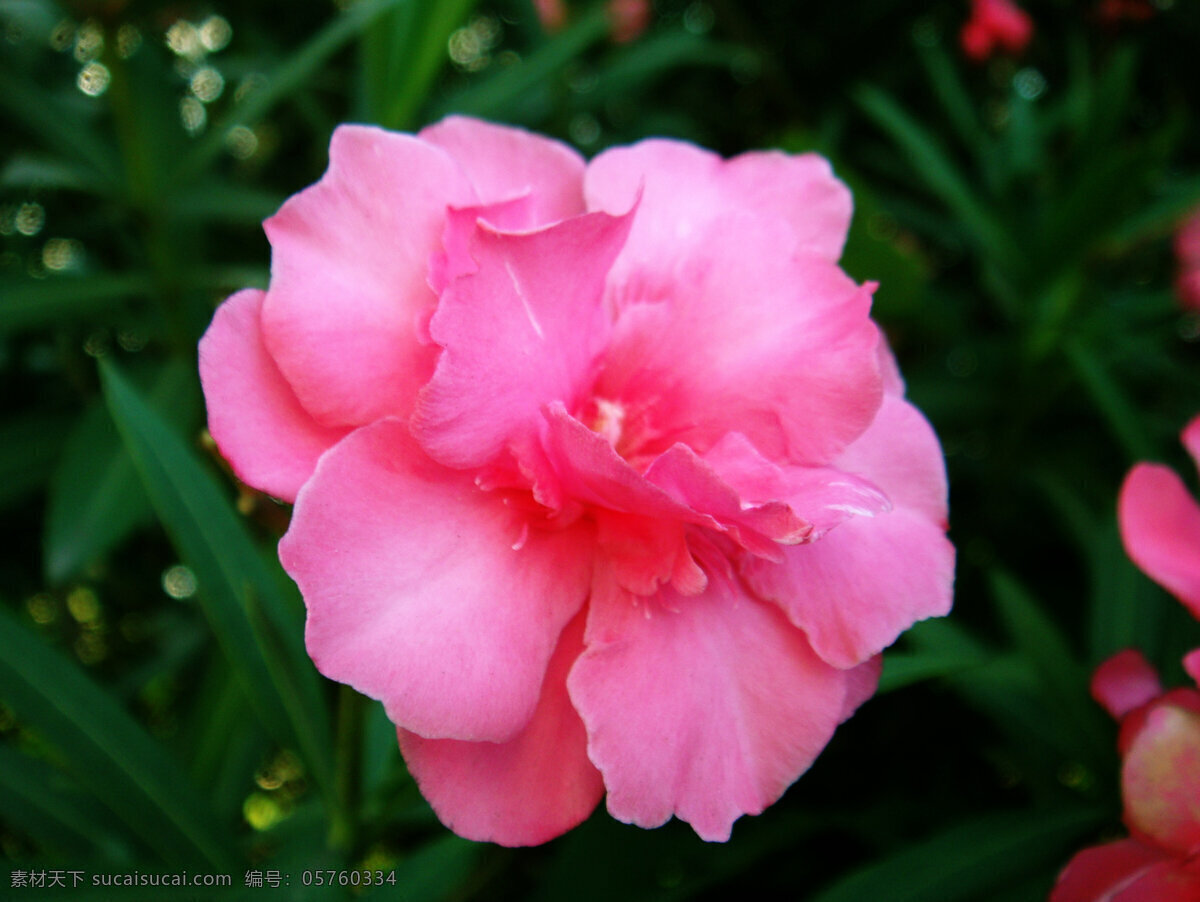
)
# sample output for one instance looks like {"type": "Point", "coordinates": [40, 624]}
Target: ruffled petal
{"type": "Point", "coordinates": [686, 187]}
{"type": "Point", "coordinates": [271, 442]}
{"type": "Point", "coordinates": [1174, 880]}
{"type": "Point", "coordinates": [348, 275]}
{"type": "Point", "coordinates": [1160, 526]}
{"type": "Point", "coordinates": [748, 338]}
{"type": "Point", "coordinates": [900, 454]}
{"type": "Point", "coordinates": [1124, 682]}
{"type": "Point", "coordinates": [521, 792]}
{"type": "Point", "coordinates": [862, 584]}
{"type": "Point", "coordinates": [1160, 779]}
{"type": "Point", "coordinates": [503, 162]}
{"type": "Point", "coordinates": [861, 683]}
{"type": "Point", "coordinates": [1095, 874]}
{"type": "Point", "coordinates": [428, 593]}
{"type": "Point", "coordinates": [705, 707]}
{"type": "Point", "coordinates": [522, 331]}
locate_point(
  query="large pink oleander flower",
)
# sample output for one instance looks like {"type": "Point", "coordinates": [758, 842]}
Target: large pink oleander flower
{"type": "Point", "coordinates": [604, 480]}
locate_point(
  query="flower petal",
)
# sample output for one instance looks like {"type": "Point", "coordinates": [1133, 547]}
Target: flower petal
{"type": "Point", "coordinates": [425, 591]}
{"type": "Point", "coordinates": [1160, 526]}
{"type": "Point", "coordinates": [271, 442]}
{"type": "Point", "coordinates": [1124, 682]}
{"type": "Point", "coordinates": [522, 331]}
{"type": "Point", "coordinates": [862, 584]}
{"type": "Point", "coordinates": [1160, 779]}
{"type": "Point", "coordinates": [503, 162]}
{"type": "Point", "coordinates": [348, 275]}
{"type": "Point", "coordinates": [524, 791]}
{"type": "Point", "coordinates": [686, 187]}
{"type": "Point", "coordinates": [749, 339]}
{"type": "Point", "coordinates": [900, 454]}
{"type": "Point", "coordinates": [1095, 874]}
{"type": "Point", "coordinates": [706, 707]}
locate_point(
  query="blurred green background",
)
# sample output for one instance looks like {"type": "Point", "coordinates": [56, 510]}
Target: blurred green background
{"type": "Point", "coordinates": [157, 711]}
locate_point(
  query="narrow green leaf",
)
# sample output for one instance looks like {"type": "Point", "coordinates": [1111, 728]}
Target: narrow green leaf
{"type": "Point", "coordinates": [282, 82]}
{"type": "Point", "coordinates": [423, 56]}
{"type": "Point", "coordinates": [497, 96]}
{"type": "Point", "coordinates": [53, 301]}
{"type": "Point", "coordinates": [40, 172]}
{"type": "Point", "coordinates": [106, 750]}
{"type": "Point", "coordinates": [225, 202]}
{"type": "Point", "coordinates": [58, 127]}
{"type": "Point", "coordinates": [1040, 641]}
{"type": "Point", "coordinates": [933, 165]}
{"type": "Point", "coordinates": [29, 446]}
{"type": "Point", "coordinates": [1110, 401]}
{"type": "Point", "coordinates": [96, 497]}
{"type": "Point", "coordinates": [232, 576]}
{"type": "Point", "coordinates": [970, 858]}
{"type": "Point", "coordinates": [45, 804]}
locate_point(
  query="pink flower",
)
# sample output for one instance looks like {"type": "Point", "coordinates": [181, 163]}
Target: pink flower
{"type": "Point", "coordinates": [628, 19]}
{"type": "Point", "coordinates": [1160, 524]}
{"type": "Point", "coordinates": [1187, 257]}
{"type": "Point", "coordinates": [1160, 781]}
{"type": "Point", "coordinates": [995, 25]}
{"type": "Point", "coordinates": [551, 13]}
{"type": "Point", "coordinates": [1113, 12]}
{"type": "Point", "coordinates": [604, 480]}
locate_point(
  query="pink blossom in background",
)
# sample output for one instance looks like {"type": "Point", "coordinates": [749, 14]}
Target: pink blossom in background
{"type": "Point", "coordinates": [995, 26]}
{"type": "Point", "coordinates": [1187, 259]}
{"type": "Point", "coordinates": [551, 13]}
{"type": "Point", "coordinates": [1160, 524]}
{"type": "Point", "coordinates": [1159, 743]}
{"type": "Point", "coordinates": [1113, 12]}
{"type": "Point", "coordinates": [628, 19]}
{"type": "Point", "coordinates": [604, 479]}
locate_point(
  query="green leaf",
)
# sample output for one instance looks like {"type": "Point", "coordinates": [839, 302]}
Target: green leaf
{"type": "Point", "coordinates": [970, 858]}
{"type": "Point", "coordinates": [29, 446]}
{"type": "Point", "coordinates": [933, 165]}
{"type": "Point", "coordinates": [59, 127]}
{"type": "Point", "coordinates": [96, 497]}
{"type": "Point", "coordinates": [417, 58]}
{"type": "Point", "coordinates": [1110, 400]}
{"type": "Point", "coordinates": [1035, 636]}
{"type": "Point", "coordinates": [283, 81]}
{"type": "Point", "coordinates": [58, 300]}
{"type": "Point", "coordinates": [44, 803]}
{"type": "Point", "coordinates": [106, 750]}
{"type": "Point", "coordinates": [240, 594]}
{"type": "Point", "coordinates": [498, 96]}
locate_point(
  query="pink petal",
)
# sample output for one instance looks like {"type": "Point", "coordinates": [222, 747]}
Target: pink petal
{"type": "Point", "coordinates": [705, 707]}
{"type": "Point", "coordinates": [348, 275]}
{"type": "Point", "coordinates": [1191, 439]}
{"type": "Point", "coordinates": [1160, 526]}
{"type": "Point", "coordinates": [521, 792]}
{"type": "Point", "coordinates": [1124, 682]}
{"type": "Point", "coordinates": [1174, 880]}
{"type": "Point", "coordinates": [1160, 779]}
{"type": "Point", "coordinates": [901, 455]}
{"type": "Point", "coordinates": [1095, 874]}
{"type": "Point", "coordinates": [861, 683]}
{"type": "Point", "coordinates": [1191, 664]}
{"type": "Point", "coordinates": [428, 593]}
{"type": "Point", "coordinates": [747, 339]}
{"type": "Point", "coordinates": [822, 496]}
{"type": "Point", "coordinates": [522, 331]}
{"type": "Point", "coordinates": [686, 187]}
{"type": "Point", "coordinates": [862, 584]}
{"type": "Point", "coordinates": [271, 442]}
{"type": "Point", "coordinates": [503, 162]}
